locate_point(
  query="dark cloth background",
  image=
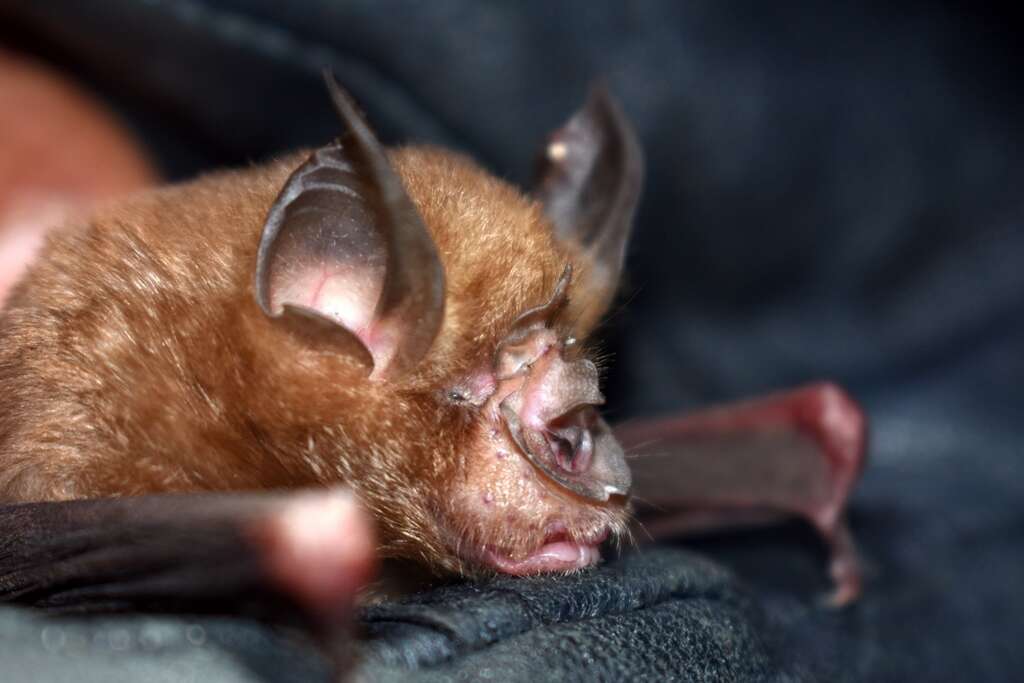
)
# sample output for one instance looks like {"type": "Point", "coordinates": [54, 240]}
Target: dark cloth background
{"type": "Point", "coordinates": [834, 190]}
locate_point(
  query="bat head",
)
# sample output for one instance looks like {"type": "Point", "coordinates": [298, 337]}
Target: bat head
{"type": "Point", "coordinates": [462, 307]}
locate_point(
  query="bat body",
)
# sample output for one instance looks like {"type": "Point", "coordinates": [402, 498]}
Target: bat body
{"type": "Point", "coordinates": [398, 322]}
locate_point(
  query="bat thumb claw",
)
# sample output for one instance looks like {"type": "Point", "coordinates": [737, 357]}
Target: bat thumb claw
{"type": "Point", "coordinates": [844, 567]}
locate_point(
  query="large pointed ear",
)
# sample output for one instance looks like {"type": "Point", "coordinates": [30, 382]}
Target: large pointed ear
{"type": "Point", "coordinates": [344, 242]}
{"type": "Point", "coordinates": [589, 183]}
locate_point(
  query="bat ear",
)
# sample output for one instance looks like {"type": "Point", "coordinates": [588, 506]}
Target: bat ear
{"type": "Point", "coordinates": [589, 183]}
{"type": "Point", "coordinates": [344, 242]}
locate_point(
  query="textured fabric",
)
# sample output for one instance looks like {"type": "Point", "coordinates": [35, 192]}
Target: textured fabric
{"type": "Point", "coordinates": [654, 615]}
{"type": "Point", "coordinates": [133, 649]}
{"type": "Point", "coordinates": [833, 191]}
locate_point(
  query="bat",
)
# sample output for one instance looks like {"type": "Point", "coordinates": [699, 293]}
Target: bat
{"type": "Point", "coordinates": [187, 362]}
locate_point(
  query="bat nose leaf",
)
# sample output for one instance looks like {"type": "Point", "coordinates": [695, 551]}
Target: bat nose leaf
{"type": "Point", "coordinates": [587, 461]}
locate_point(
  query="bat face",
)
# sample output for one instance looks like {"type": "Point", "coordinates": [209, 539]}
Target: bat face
{"type": "Point", "coordinates": [469, 308]}
{"type": "Point", "coordinates": [542, 481]}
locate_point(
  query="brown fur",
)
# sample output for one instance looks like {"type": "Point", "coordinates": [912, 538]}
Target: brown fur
{"type": "Point", "coordinates": [134, 359]}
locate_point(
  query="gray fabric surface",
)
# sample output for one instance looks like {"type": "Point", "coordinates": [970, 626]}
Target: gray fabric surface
{"type": "Point", "coordinates": [133, 649]}
{"type": "Point", "coordinates": [654, 615]}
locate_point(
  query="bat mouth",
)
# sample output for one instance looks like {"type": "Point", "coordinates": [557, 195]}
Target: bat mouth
{"type": "Point", "coordinates": [557, 553]}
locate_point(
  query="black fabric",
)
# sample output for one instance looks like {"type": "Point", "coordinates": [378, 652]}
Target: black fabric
{"type": "Point", "coordinates": [833, 191]}
{"type": "Point", "coordinates": [653, 615]}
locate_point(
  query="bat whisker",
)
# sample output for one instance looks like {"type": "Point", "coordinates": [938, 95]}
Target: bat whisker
{"type": "Point", "coordinates": [644, 445]}
{"type": "Point", "coordinates": [619, 308]}
{"type": "Point", "coordinates": [654, 506]}
{"type": "Point", "coordinates": [643, 527]}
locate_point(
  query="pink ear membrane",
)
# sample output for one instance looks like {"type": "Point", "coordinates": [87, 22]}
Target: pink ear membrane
{"type": "Point", "coordinates": [343, 294]}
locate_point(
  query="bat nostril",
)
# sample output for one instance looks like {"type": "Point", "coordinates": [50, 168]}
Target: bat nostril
{"type": "Point", "coordinates": [572, 448]}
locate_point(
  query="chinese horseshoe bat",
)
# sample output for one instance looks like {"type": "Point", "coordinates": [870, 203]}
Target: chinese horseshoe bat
{"type": "Point", "coordinates": [396, 322]}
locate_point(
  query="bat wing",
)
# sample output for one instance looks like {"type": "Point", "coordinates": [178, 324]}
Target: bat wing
{"type": "Point", "coordinates": [295, 558]}
{"type": "Point", "coordinates": [794, 453]}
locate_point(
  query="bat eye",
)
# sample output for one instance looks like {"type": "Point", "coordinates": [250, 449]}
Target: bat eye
{"type": "Point", "coordinates": [455, 396]}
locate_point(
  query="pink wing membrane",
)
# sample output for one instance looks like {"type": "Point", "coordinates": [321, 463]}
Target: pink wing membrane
{"type": "Point", "coordinates": [798, 452]}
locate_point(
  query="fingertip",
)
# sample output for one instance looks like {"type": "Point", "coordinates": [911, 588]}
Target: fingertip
{"type": "Point", "coordinates": [320, 549]}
